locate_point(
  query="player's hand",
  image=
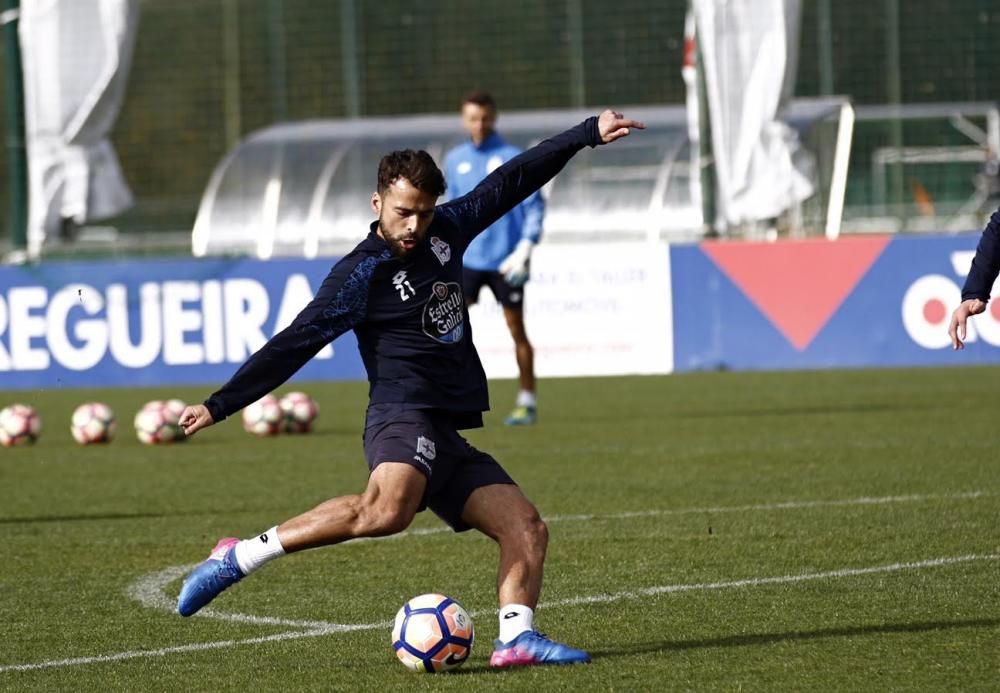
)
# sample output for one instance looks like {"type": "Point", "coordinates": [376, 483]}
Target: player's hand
{"type": "Point", "coordinates": [612, 125]}
{"type": "Point", "coordinates": [965, 310]}
{"type": "Point", "coordinates": [194, 418]}
{"type": "Point", "coordinates": [514, 267]}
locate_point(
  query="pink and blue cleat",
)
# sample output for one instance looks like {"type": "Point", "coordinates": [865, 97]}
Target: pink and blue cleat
{"type": "Point", "coordinates": [531, 647]}
{"type": "Point", "coordinates": [210, 578]}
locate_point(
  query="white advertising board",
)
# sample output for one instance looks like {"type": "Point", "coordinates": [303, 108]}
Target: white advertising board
{"type": "Point", "coordinates": [589, 310]}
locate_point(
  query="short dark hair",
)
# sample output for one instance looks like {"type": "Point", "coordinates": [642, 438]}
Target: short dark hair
{"type": "Point", "coordinates": [481, 98]}
{"type": "Point", "coordinates": [416, 166]}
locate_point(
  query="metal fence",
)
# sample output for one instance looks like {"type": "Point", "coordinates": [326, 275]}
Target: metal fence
{"type": "Point", "coordinates": [207, 72]}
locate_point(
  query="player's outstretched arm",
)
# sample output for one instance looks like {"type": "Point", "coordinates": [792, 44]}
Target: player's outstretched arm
{"type": "Point", "coordinates": [960, 317]}
{"type": "Point", "coordinates": [613, 125]}
{"type": "Point", "coordinates": [527, 172]}
{"type": "Point", "coordinates": [194, 418]}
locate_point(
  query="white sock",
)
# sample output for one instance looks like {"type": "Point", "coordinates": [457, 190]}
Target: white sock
{"type": "Point", "coordinates": [251, 554]}
{"type": "Point", "coordinates": [526, 398]}
{"type": "Point", "coordinates": [514, 620]}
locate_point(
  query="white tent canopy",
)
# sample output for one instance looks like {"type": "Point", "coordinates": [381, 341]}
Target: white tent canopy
{"type": "Point", "coordinates": [303, 189]}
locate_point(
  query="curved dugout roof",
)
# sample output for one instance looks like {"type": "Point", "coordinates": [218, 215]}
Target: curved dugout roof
{"type": "Point", "coordinates": [303, 189]}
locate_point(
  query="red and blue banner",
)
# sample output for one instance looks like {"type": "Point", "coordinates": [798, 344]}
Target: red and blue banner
{"type": "Point", "coordinates": [854, 302]}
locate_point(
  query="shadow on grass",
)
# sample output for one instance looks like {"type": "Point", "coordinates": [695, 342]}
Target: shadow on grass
{"type": "Point", "coordinates": [103, 517]}
{"type": "Point", "coordinates": [819, 410]}
{"type": "Point", "coordinates": [227, 512]}
{"type": "Point", "coordinates": [83, 518]}
{"type": "Point", "coordinates": [755, 639]}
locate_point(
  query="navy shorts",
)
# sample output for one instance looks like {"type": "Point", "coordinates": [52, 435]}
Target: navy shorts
{"type": "Point", "coordinates": [427, 439]}
{"type": "Point", "coordinates": [507, 296]}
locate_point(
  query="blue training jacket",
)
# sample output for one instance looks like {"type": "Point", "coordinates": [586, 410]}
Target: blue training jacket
{"type": "Point", "coordinates": [464, 167]}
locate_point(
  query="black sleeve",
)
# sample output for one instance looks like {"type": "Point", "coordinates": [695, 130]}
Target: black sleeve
{"type": "Point", "coordinates": [511, 183]}
{"type": "Point", "coordinates": [986, 264]}
{"type": "Point", "coordinates": [339, 305]}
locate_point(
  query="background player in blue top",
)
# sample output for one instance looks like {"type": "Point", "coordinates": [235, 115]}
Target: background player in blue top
{"type": "Point", "coordinates": [499, 257]}
{"type": "Point", "coordinates": [400, 291]}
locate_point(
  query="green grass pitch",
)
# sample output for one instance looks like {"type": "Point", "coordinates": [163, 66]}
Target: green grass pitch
{"type": "Point", "coordinates": [717, 531]}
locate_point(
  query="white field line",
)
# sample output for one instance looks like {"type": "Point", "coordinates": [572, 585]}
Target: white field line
{"type": "Point", "coordinates": [595, 599]}
{"type": "Point", "coordinates": [164, 651]}
{"type": "Point", "coordinates": [148, 590]}
{"type": "Point", "coordinates": [779, 580]}
{"type": "Point", "coordinates": [710, 510]}
{"type": "Point", "coordinates": [786, 505]}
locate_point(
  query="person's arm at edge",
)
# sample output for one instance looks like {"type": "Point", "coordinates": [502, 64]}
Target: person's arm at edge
{"type": "Point", "coordinates": [979, 282]}
{"type": "Point", "coordinates": [526, 173]}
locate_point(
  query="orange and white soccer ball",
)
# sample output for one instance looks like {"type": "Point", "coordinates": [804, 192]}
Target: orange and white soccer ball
{"type": "Point", "coordinates": [93, 422]}
{"type": "Point", "coordinates": [263, 417]}
{"type": "Point", "coordinates": [19, 425]}
{"type": "Point", "coordinates": [300, 411]}
{"type": "Point", "coordinates": [158, 422]}
{"type": "Point", "coordinates": [432, 633]}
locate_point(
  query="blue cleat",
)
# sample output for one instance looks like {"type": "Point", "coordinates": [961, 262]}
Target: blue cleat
{"type": "Point", "coordinates": [531, 647]}
{"type": "Point", "coordinates": [210, 578]}
{"type": "Point", "coordinates": [522, 416]}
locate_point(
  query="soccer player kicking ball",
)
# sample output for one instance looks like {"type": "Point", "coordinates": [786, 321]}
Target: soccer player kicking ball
{"type": "Point", "coordinates": [400, 290]}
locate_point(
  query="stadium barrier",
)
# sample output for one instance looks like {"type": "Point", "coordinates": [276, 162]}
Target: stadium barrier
{"type": "Point", "coordinates": [153, 322]}
{"type": "Point", "coordinates": [609, 309]}
{"type": "Point", "coordinates": [857, 302]}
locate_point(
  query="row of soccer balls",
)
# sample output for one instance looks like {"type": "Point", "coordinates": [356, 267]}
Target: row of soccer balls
{"type": "Point", "coordinates": [158, 422]}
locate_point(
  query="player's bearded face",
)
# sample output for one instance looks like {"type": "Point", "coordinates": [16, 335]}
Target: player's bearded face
{"type": "Point", "coordinates": [404, 214]}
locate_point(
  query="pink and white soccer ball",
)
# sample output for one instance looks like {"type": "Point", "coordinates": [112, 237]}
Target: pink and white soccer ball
{"type": "Point", "coordinates": [93, 422]}
{"type": "Point", "coordinates": [19, 425]}
{"type": "Point", "coordinates": [158, 422]}
{"type": "Point", "coordinates": [300, 411]}
{"type": "Point", "coordinates": [263, 417]}
{"type": "Point", "coordinates": [173, 409]}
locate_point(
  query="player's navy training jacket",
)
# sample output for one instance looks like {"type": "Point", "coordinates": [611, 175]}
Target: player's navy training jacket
{"type": "Point", "coordinates": [986, 264]}
{"type": "Point", "coordinates": [409, 314]}
{"type": "Point", "coordinates": [464, 167]}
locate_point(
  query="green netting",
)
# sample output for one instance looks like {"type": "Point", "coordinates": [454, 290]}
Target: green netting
{"type": "Point", "coordinates": [207, 72]}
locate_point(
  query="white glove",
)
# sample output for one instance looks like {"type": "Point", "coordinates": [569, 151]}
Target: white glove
{"type": "Point", "coordinates": [514, 267]}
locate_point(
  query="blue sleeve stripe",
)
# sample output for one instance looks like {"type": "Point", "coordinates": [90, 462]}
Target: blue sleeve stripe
{"type": "Point", "coordinates": [349, 305]}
